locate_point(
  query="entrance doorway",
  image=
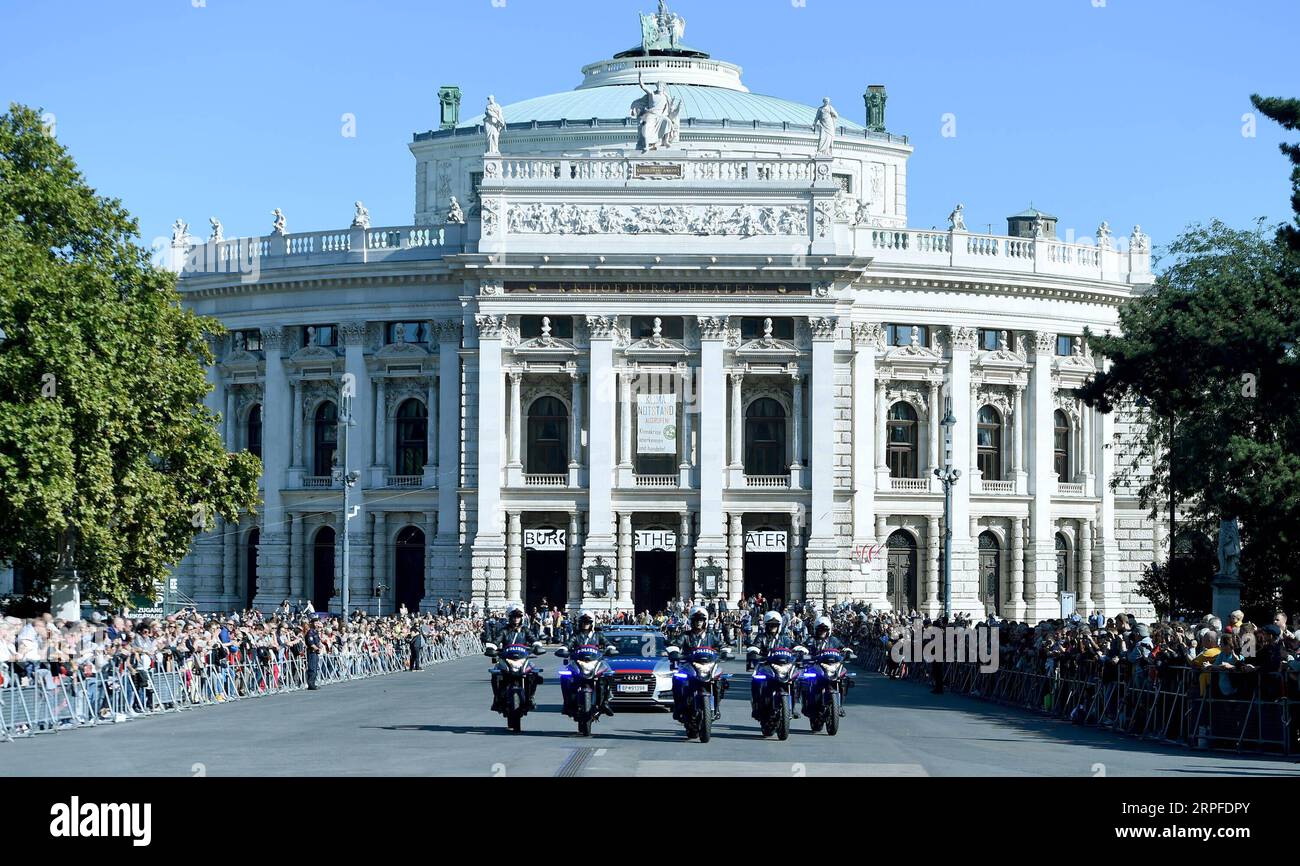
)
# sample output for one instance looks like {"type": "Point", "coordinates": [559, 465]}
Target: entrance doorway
{"type": "Point", "coordinates": [990, 573]}
{"type": "Point", "coordinates": [902, 572]}
{"type": "Point", "coordinates": [765, 575]}
{"type": "Point", "coordinates": [409, 569]}
{"type": "Point", "coordinates": [250, 567]}
{"type": "Point", "coordinates": [544, 578]}
{"type": "Point", "coordinates": [653, 580]}
{"type": "Point", "coordinates": [323, 569]}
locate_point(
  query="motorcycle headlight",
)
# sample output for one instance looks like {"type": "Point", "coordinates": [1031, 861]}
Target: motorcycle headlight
{"type": "Point", "coordinates": [831, 669]}
{"type": "Point", "coordinates": [516, 665]}
{"type": "Point", "coordinates": [782, 670]}
{"type": "Point", "coordinates": [704, 670]}
{"type": "Point", "coordinates": [588, 668]}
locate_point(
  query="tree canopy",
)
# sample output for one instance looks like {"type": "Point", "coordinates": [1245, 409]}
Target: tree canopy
{"type": "Point", "coordinates": [103, 430]}
{"type": "Point", "coordinates": [1209, 360]}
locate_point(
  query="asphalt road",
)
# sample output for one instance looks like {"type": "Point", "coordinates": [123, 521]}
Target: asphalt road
{"type": "Point", "coordinates": [437, 722]}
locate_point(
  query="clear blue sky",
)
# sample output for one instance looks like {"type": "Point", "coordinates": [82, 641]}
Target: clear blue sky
{"type": "Point", "coordinates": [1129, 111]}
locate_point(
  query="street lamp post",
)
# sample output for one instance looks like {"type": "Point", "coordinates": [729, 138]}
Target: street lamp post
{"type": "Point", "coordinates": [948, 476]}
{"type": "Point", "coordinates": [347, 478]}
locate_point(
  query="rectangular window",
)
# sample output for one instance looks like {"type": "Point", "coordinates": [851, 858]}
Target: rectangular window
{"type": "Point", "coordinates": [901, 335]}
{"type": "Point", "coordinates": [408, 332]}
{"type": "Point", "coordinates": [250, 339]}
{"type": "Point", "coordinates": [751, 328]}
{"type": "Point", "coordinates": [643, 327]}
{"type": "Point", "coordinates": [845, 182]}
{"type": "Point", "coordinates": [325, 336]}
{"type": "Point", "coordinates": [531, 326]}
{"type": "Point", "coordinates": [1064, 344]}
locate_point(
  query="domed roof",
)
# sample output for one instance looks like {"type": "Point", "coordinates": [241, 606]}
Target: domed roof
{"type": "Point", "coordinates": [699, 102]}
{"type": "Point", "coordinates": [710, 90]}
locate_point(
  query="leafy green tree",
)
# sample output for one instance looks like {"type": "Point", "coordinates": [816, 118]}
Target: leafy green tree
{"type": "Point", "coordinates": [1208, 361]}
{"type": "Point", "coordinates": [104, 437]}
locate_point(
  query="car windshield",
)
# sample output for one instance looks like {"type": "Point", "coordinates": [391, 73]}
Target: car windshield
{"type": "Point", "coordinates": [638, 644]}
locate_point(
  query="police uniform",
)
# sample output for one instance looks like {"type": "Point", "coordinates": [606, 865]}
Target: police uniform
{"type": "Point", "coordinates": [314, 645]}
{"type": "Point", "coordinates": [691, 640]}
{"type": "Point", "coordinates": [503, 636]}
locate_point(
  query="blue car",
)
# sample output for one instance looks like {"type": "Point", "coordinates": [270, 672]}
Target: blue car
{"type": "Point", "coordinates": [642, 673]}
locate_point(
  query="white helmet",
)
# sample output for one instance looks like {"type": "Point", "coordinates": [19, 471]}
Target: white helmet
{"type": "Point", "coordinates": [698, 610]}
{"type": "Point", "coordinates": [822, 621]}
{"type": "Point", "coordinates": [586, 614]}
{"type": "Point", "coordinates": [514, 608]}
{"type": "Point", "coordinates": [771, 616]}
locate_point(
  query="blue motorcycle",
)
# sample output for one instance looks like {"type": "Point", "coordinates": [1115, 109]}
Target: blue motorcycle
{"type": "Point", "coordinates": [518, 678]}
{"type": "Point", "coordinates": [584, 680]}
{"type": "Point", "coordinates": [699, 683]}
{"type": "Point", "coordinates": [825, 684]}
{"type": "Point", "coordinates": [777, 679]}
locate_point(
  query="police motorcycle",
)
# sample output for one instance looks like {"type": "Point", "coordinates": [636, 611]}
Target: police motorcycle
{"type": "Point", "coordinates": [585, 679]}
{"type": "Point", "coordinates": [698, 680]}
{"type": "Point", "coordinates": [825, 679]}
{"type": "Point", "coordinates": [775, 658]}
{"type": "Point", "coordinates": [514, 676]}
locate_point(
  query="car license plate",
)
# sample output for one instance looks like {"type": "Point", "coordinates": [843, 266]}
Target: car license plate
{"type": "Point", "coordinates": [633, 688]}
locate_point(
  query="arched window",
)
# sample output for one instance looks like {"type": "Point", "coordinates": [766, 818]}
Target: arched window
{"type": "Point", "coordinates": [250, 566]}
{"type": "Point", "coordinates": [1061, 445]}
{"type": "Point", "coordinates": [1063, 583]}
{"type": "Point", "coordinates": [990, 572]}
{"type": "Point", "coordinates": [548, 432]}
{"type": "Point", "coordinates": [412, 437]}
{"type": "Point", "coordinates": [902, 443]}
{"type": "Point", "coordinates": [255, 431]}
{"type": "Point", "coordinates": [990, 444]}
{"type": "Point", "coordinates": [765, 438]}
{"type": "Point", "coordinates": [326, 436]}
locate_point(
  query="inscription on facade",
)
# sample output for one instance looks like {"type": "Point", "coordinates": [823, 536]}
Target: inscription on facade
{"type": "Point", "coordinates": [655, 171]}
{"type": "Point", "coordinates": [579, 287]}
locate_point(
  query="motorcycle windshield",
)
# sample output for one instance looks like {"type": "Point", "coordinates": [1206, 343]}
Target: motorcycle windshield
{"type": "Point", "coordinates": [830, 657]}
{"type": "Point", "coordinates": [780, 657]}
{"type": "Point", "coordinates": [704, 654]}
{"type": "Point", "coordinates": [586, 654]}
{"type": "Point", "coordinates": [515, 652]}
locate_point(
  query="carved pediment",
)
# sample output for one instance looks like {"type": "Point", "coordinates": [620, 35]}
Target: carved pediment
{"type": "Point", "coordinates": [402, 350]}
{"type": "Point", "coordinates": [314, 353]}
{"type": "Point", "coordinates": [545, 345]}
{"type": "Point", "coordinates": [241, 359]}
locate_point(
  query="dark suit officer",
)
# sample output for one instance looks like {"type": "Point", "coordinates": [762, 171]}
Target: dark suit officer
{"type": "Point", "coordinates": [314, 646]}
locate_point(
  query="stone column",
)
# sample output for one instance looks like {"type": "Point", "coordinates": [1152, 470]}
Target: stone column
{"type": "Point", "coordinates": [575, 420]}
{"type": "Point", "coordinates": [736, 577]}
{"type": "Point", "coordinates": [798, 588]}
{"type": "Point", "coordinates": [515, 556]}
{"type": "Point", "coordinates": [449, 427]}
{"type": "Point", "coordinates": [229, 421]}
{"type": "Point", "coordinates": [573, 591]}
{"type": "Point", "coordinates": [1017, 610]}
{"type": "Point", "coordinates": [1085, 601]}
{"type": "Point", "coordinates": [381, 423]}
{"type": "Point", "coordinates": [685, 556]}
{"type": "Point", "coordinates": [878, 579]}
{"type": "Point", "coordinates": [431, 591]}
{"type": "Point", "coordinates": [379, 574]}
{"type": "Point", "coordinates": [932, 603]}
{"type": "Point", "coordinates": [737, 422]}
{"type": "Point", "coordinates": [1018, 418]}
{"type": "Point", "coordinates": [625, 560]}
{"type": "Point", "coordinates": [1044, 601]}
{"type": "Point", "coordinates": [882, 426]}
{"type": "Point", "coordinates": [431, 454]}
{"type": "Point", "coordinates": [796, 425]}
{"type": "Point", "coordinates": [711, 401]}
{"type": "Point", "coordinates": [516, 418]}
{"type": "Point", "coordinates": [865, 341]}
{"type": "Point", "coordinates": [625, 419]}
{"type": "Point", "coordinates": [488, 559]}
{"type": "Point", "coordinates": [965, 561]}
{"type": "Point", "coordinates": [229, 558]}
{"type": "Point", "coordinates": [599, 540]}
{"type": "Point", "coordinates": [297, 556]}
{"type": "Point", "coordinates": [823, 552]}
{"type": "Point", "coordinates": [273, 551]}
{"type": "Point", "coordinates": [935, 430]}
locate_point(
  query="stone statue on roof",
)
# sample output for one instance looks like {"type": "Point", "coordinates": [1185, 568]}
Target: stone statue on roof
{"type": "Point", "coordinates": [493, 122]}
{"type": "Point", "coordinates": [657, 117]}
{"type": "Point", "coordinates": [824, 124]}
{"type": "Point", "coordinates": [662, 29]}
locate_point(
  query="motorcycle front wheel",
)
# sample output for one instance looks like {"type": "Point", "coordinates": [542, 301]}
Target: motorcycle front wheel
{"type": "Point", "coordinates": [833, 718]}
{"type": "Point", "coordinates": [584, 727]}
{"type": "Point", "coordinates": [706, 724]}
{"type": "Point", "coordinates": [783, 721]}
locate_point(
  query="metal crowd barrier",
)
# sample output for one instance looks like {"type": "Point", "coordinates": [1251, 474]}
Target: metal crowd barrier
{"type": "Point", "coordinates": [48, 702]}
{"type": "Point", "coordinates": [1176, 705]}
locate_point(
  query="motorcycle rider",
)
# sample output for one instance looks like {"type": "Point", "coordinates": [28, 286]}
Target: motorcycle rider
{"type": "Point", "coordinates": [586, 635]}
{"type": "Point", "coordinates": [823, 639]}
{"type": "Point", "coordinates": [774, 635]}
{"type": "Point", "coordinates": [514, 630]}
{"type": "Point", "coordinates": [697, 634]}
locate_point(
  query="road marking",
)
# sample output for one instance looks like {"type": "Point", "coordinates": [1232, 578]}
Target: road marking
{"type": "Point", "coordinates": [774, 768]}
{"type": "Point", "coordinates": [573, 765]}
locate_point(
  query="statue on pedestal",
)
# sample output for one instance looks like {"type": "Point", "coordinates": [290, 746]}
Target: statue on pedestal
{"type": "Point", "coordinates": [1229, 549]}
{"type": "Point", "coordinates": [956, 220]}
{"type": "Point", "coordinates": [824, 124]}
{"type": "Point", "coordinates": [493, 122]}
{"type": "Point", "coordinates": [362, 218]}
{"type": "Point", "coordinates": [657, 117]}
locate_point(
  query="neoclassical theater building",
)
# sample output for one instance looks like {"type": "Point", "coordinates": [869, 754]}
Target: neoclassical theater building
{"type": "Point", "coordinates": [658, 337]}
